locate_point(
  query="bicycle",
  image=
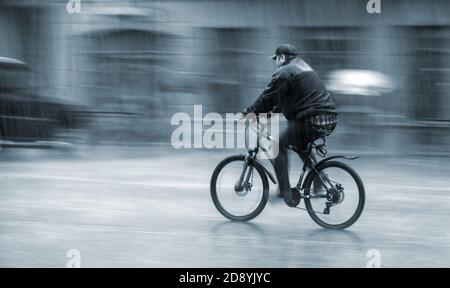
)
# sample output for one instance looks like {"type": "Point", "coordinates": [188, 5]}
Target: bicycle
{"type": "Point", "coordinates": [323, 196]}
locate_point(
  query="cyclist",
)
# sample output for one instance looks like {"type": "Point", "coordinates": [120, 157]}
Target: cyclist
{"type": "Point", "coordinates": [298, 92]}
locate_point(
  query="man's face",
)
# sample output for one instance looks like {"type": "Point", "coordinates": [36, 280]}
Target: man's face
{"type": "Point", "coordinates": [279, 61]}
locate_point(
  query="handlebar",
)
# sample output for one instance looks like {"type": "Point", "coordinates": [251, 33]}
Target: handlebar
{"type": "Point", "coordinates": [268, 115]}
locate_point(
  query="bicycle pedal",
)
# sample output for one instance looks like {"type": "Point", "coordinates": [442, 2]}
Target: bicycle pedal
{"type": "Point", "coordinates": [326, 211]}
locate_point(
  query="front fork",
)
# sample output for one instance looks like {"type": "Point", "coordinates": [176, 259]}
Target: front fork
{"type": "Point", "coordinates": [244, 179]}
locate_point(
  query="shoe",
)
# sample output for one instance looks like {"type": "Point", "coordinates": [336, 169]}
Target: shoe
{"type": "Point", "coordinates": [295, 200]}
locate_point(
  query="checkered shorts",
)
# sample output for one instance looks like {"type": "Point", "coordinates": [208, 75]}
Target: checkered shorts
{"type": "Point", "coordinates": [323, 124]}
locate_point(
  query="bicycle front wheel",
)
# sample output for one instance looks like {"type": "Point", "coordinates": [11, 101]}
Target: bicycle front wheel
{"type": "Point", "coordinates": [239, 204]}
{"type": "Point", "coordinates": [334, 195]}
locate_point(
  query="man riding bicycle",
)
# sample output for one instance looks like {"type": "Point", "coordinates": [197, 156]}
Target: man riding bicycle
{"type": "Point", "coordinates": [297, 91]}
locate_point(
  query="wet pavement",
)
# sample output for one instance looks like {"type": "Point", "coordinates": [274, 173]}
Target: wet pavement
{"type": "Point", "coordinates": [151, 208]}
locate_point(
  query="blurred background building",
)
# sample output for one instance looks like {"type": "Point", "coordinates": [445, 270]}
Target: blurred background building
{"type": "Point", "coordinates": [119, 70]}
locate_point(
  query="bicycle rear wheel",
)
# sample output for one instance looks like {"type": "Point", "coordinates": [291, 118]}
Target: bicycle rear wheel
{"type": "Point", "coordinates": [238, 205]}
{"type": "Point", "coordinates": [344, 197]}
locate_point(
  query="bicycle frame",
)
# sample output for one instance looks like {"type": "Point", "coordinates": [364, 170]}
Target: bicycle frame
{"type": "Point", "coordinates": [310, 163]}
{"type": "Point", "coordinates": [260, 130]}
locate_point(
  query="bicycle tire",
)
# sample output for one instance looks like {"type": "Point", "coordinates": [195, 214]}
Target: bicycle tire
{"type": "Point", "coordinates": [361, 191]}
{"type": "Point", "coordinates": [216, 201]}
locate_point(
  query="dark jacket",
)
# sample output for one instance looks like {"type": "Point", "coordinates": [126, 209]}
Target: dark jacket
{"type": "Point", "coordinates": [298, 91]}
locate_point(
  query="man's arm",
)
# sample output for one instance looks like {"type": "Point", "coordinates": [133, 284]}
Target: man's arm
{"type": "Point", "coordinates": [270, 97]}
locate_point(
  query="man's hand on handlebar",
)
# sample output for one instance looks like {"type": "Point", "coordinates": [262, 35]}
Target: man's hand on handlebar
{"type": "Point", "coordinates": [276, 109]}
{"type": "Point", "coordinates": [246, 112]}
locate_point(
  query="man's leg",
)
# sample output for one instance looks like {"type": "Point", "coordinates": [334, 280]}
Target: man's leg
{"type": "Point", "coordinates": [290, 137]}
{"type": "Point", "coordinates": [310, 133]}
{"type": "Point", "coordinates": [304, 136]}
{"type": "Point", "coordinates": [281, 165]}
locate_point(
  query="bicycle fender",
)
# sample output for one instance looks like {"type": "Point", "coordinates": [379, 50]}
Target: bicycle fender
{"type": "Point", "coordinates": [336, 157]}
{"type": "Point", "coordinates": [260, 164]}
